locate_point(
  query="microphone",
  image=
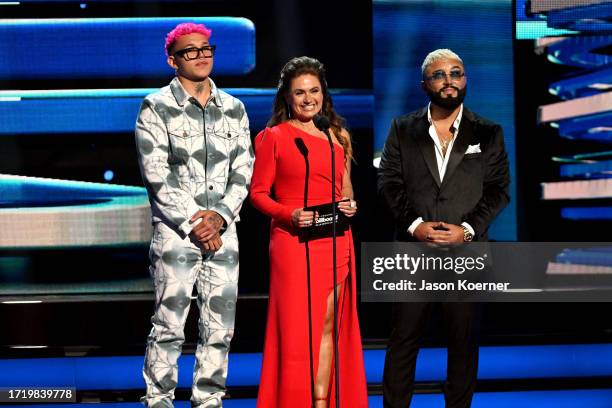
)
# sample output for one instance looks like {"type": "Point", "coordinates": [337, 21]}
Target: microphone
{"type": "Point", "coordinates": [301, 146]}
{"type": "Point", "coordinates": [299, 142]}
{"type": "Point", "coordinates": [321, 122]}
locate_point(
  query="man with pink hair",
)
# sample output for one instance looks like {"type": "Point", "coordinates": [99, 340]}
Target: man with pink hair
{"type": "Point", "coordinates": [195, 156]}
{"type": "Point", "coordinates": [184, 29]}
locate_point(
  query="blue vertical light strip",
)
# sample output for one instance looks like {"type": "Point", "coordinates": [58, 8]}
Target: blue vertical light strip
{"type": "Point", "coordinates": [516, 362]}
{"type": "Point", "coordinates": [587, 213]}
{"type": "Point", "coordinates": [112, 111]}
{"type": "Point", "coordinates": [481, 33]}
{"type": "Point", "coordinates": [526, 399]}
{"type": "Point", "coordinates": [123, 373]}
{"type": "Point", "coordinates": [587, 170]}
{"type": "Point", "coordinates": [72, 48]}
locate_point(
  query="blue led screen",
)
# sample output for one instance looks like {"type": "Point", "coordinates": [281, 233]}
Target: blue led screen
{"type": "Point", "coordinates": [87, 43]}
{"type": "Point", "coordinates": [481, 33]}
{"type": "Point", "coordinates": [563, 57]}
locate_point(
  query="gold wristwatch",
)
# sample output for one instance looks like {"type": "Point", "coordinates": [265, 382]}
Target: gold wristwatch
{"type": "Point", "coordinates": [467, 235]}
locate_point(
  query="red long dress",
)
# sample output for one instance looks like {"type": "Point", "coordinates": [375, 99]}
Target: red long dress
{"type": "Point", "coordinates": [277, 188]}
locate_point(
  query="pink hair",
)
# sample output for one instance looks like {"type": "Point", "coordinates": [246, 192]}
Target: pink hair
{"type": "Point", "coordinates": [185, 29]}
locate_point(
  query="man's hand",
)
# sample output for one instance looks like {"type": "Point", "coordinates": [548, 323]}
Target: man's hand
{"type": "Point", "coordinates": [454, 234]}
{"type": "Point", "coordinates": [440, 233]}
{"type": "Point", "coordinates": [214, 244]}
{"type": "Point", "coordinates": [428, 232]}
{"type": "Point", "coordinates": [209, 226]}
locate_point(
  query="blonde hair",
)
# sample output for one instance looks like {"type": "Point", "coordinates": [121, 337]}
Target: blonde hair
{"type": "Point", "coordinates": [441, 53]}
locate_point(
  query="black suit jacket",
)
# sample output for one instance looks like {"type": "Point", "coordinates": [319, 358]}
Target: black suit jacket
{"type": "Point", "coordinates": [475, 186]}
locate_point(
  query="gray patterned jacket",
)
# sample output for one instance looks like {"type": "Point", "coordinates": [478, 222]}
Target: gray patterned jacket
{"type": "Point", "coordinates": [193, 158]}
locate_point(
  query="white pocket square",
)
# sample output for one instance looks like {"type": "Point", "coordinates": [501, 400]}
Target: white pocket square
{"type": "Point", "coordinates": [473, 149]}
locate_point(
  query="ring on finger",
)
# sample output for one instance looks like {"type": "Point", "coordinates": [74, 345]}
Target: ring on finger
{"type": "Point", "coordinates": [353, 204]}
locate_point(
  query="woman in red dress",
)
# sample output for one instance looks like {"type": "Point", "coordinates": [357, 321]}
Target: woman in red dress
{"type": "Point", "coordinates": [298, 359]}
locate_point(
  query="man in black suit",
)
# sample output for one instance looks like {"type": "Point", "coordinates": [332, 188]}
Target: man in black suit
{"type": "Point", "coordinates": [444, 176]}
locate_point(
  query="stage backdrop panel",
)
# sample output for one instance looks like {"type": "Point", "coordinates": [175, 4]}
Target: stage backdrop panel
{"type": "Point", "coordinates": [481, 33]}
{"type": "Point", "coordinates": [113, 47]}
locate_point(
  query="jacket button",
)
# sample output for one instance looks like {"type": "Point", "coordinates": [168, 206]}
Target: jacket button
{"type": "Point", "coordinates": [210, 187]}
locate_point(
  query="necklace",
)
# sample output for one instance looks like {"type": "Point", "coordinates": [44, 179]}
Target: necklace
{"type": "Point", "coordinates": [444, 142]}
{"type": "Point", "coordinates": [308, 129]}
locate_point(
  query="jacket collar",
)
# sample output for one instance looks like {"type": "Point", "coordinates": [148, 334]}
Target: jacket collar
{"type": "Point", "coordinates": [457, 121]}
{"type": "Point", "coordinates": [182, 96]}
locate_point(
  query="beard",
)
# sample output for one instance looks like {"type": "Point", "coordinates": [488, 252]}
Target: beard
{"type": "Point", "coordinates": [450, 103]}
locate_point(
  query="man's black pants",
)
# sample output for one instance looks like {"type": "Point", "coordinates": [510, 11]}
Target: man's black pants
{"type": "Point", "coordinates": [409, 322]}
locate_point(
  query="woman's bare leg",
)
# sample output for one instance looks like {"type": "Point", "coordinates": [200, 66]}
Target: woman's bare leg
{"type": "Point", "coordinates": [326, 353]}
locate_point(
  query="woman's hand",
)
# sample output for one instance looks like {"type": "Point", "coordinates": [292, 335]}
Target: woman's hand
{"type": "Point", "coordinates": [301, 218]}
{"type": "Point", "coordinates": [349, 208]}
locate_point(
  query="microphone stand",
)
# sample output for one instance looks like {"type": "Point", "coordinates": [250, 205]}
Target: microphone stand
{"type": "Point", "coordinates": [304, 150]}
{"type": "Point", "coordinates": [322, 123]}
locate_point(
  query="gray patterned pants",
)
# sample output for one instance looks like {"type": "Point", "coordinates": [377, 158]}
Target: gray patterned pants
{"type": "Point", "coordinates": [176, 266]}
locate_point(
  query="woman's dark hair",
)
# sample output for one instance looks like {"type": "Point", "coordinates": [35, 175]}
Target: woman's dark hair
{"type": "Point", "coordinates": [280, 110]}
